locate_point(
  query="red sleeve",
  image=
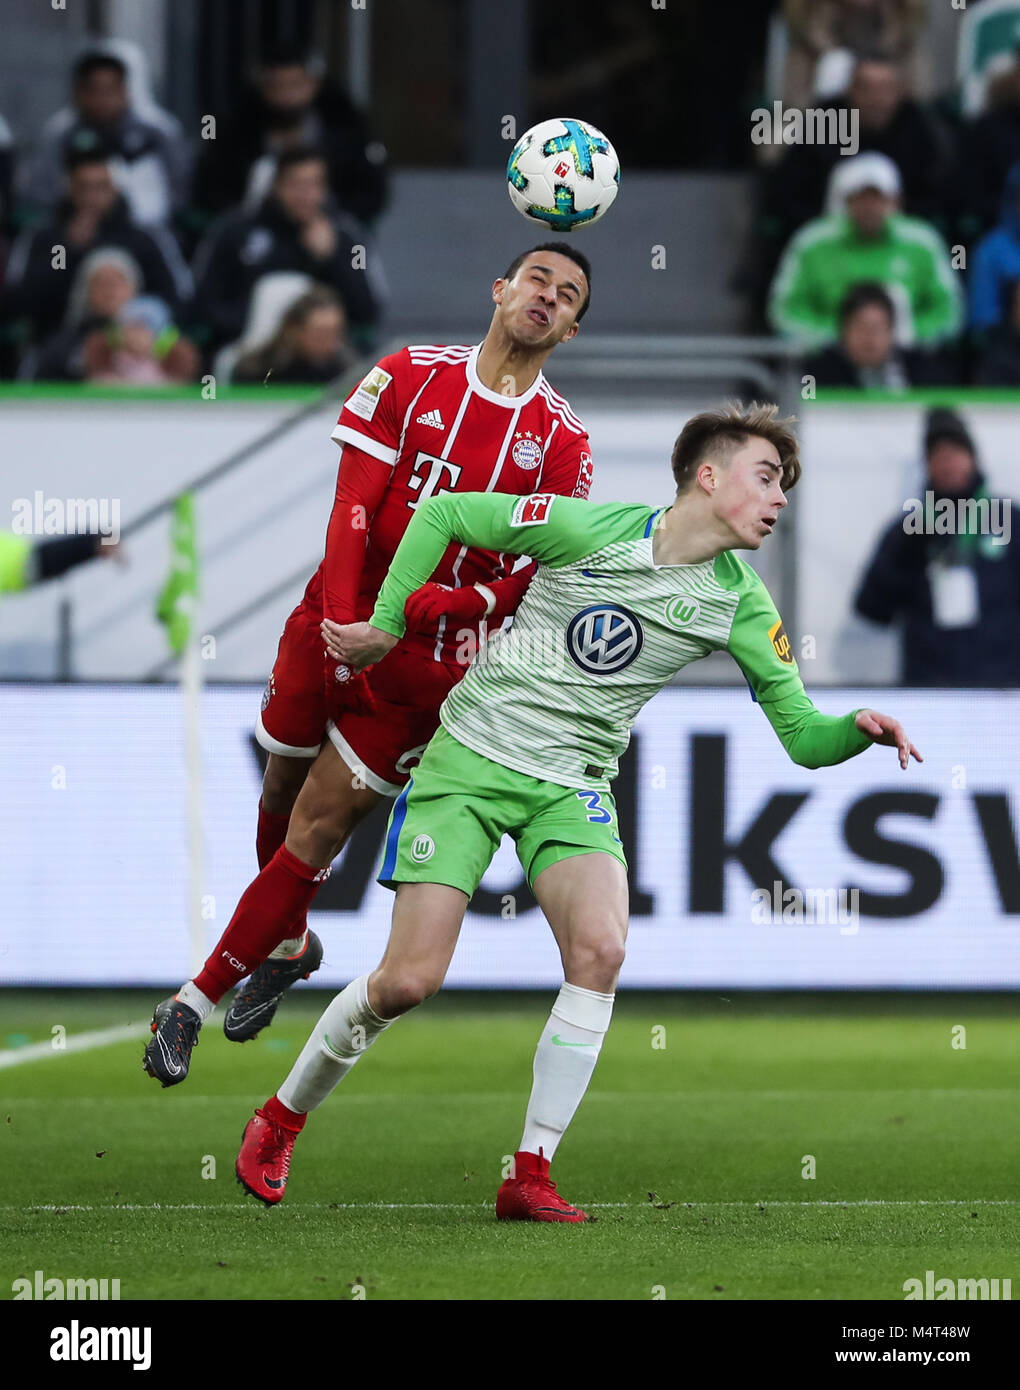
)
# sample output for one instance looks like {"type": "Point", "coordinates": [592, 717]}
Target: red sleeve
{"type": "Point", "coordinates": [508, 592]}
{"type": "Point", "coordinates": [360, 484]}
{"type": "Point", "coordinates": [569, 471]}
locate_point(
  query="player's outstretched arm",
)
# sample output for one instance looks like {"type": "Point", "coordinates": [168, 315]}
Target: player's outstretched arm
{"type": "Point", "coordinates": [764, 653]}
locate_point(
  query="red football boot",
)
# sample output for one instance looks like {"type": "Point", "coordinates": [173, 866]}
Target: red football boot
{"type": "Point", "coordinates": [263, 1163]}
{"type": "Point", "coordinates": [531, 1195]}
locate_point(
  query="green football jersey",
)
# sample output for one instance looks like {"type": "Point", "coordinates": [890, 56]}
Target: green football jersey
{"type": "Point", "coordinates": [601, 629]}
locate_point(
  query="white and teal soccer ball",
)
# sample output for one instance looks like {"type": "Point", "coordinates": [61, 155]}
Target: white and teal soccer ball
{"type": "Point", "coordinates": [563, 173]}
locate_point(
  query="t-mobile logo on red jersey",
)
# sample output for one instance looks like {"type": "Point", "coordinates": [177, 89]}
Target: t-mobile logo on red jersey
{"type": "Point", "coordinates": [431, 475]}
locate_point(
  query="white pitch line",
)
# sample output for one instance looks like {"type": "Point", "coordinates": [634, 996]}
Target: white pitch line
{"type": "Point", "coordinates": [77, 1042]}
{"type": "Point", "coordinates": [240, 1205]}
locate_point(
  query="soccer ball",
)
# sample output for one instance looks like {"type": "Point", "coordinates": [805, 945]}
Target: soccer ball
{"type": "Point", "coordinates": [563, 173]}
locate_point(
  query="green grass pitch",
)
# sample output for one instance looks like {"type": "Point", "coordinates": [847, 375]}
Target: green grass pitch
{"type": "Point", "coordinates": [914, 1144]}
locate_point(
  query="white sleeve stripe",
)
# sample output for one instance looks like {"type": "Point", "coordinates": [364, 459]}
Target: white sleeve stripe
{"type": "Point", "coordinates": [559, 407]}
{"type": "Point", "coordinates": [343, 434]}
{"type": "Point", "coordinates": [545, 452]}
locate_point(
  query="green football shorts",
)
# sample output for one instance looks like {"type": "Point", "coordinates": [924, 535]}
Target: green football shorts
{"type": "Point", "coordinates": [447, 823]}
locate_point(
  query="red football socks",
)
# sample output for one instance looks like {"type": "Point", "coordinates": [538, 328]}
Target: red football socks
{"type": "Point", "coordinates": [274, 1109]}
{"type": "Point", "coordinates": [271, 910]}
{"type": "Point", "coordinates": [270, 835]}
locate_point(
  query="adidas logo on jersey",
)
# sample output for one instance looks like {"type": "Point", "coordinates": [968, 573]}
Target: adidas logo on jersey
{"type": "Point", "coordinates": [433, 418]}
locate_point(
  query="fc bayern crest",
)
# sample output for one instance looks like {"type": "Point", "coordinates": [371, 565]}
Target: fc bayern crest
{"type": "Point", "coordinates": [527, 453]}
{"type": "Point", "coordinates": [604, 638]}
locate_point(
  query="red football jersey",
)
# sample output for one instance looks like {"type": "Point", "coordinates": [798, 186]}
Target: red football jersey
{"type": "Point", "coordinates": [425, 412]}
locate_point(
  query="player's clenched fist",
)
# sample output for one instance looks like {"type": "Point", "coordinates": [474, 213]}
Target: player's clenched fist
{"type": "Point", "coordinates": [357, 644]}
{"type": "Point", "coordinates": [434, 601]}
{"type": "Point", "coordinates": [882, 728]}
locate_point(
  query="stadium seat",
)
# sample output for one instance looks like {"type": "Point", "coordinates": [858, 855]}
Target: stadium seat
{"type": "Point", "coordinates": [989, 36]}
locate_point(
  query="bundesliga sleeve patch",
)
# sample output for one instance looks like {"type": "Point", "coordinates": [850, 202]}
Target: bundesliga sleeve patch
{"type": "Point", "coordinates": [365, 399]}
{"type": "Point", "coordinates": [533, 510]}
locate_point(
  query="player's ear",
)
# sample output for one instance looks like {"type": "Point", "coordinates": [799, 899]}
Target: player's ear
{"type": "Point", "coordinates": [498, 287]}
{"type": "Point", "coordinates": [571, 332]}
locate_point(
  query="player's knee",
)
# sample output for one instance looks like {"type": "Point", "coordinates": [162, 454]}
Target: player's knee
{"type": "Point", "coordinates": [282, 783]}
{"type": "Point", "coordinates": [318, 827]}
{"type": "Point", "coordinates": [598, 960]}
{"type": "Point", "coordinates": [405, 989]}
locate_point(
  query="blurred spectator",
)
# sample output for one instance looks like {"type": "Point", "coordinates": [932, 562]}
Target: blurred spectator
{"type": "Point", "coordinates": [309, 345]}
{"type": "Point", "coordinates": [104, 282]}
{"type": "Point", "coordinates": [997, 260]}
{"type": "Point", "coordinates": [6, 173]}
{"type": "Point", "coordinates": [892, 123]}
{"type": "Point", "coordinates": [26, 561]}
{"type": "Point", "coordinates": [866, 355]}
{"type": "Point", "coordinates": [297, 227]}
{"type": "Point", "coordinates": [867, 239]}
{"type": "Point", "coordinates": [999, 363]}
{"type": "Point", "coordinates": [815, 27]}
{"type": "Point", "coordinates": [146, 141]}
{"type": "Point", "coordinates": [956, 596]}
{"type": "Point", "coordinates": [8, 331]}
{"type": "Point", "coordinates": [92, 214]}
{"type": "Point", "coordinates": [291, 104]}
{"type": "Point", "coordinates": [141, 347]}
{"type": "Point", "coordinates": [990, 147]}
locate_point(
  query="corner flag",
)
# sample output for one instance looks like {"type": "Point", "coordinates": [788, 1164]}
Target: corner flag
{"type": "Point", "coordinates": [176, 605]}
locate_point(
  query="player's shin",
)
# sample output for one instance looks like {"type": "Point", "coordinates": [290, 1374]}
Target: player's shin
{"type": "Point", "coordinates": [271, 833]}
{"type": "Point", "coordinates": [348, 1026]}
{"type": "Point", "coordinates": [564, 1062]}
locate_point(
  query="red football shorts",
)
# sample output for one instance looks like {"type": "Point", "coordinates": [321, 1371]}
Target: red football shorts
{"type": "Point", "coordinates": [382, 748]}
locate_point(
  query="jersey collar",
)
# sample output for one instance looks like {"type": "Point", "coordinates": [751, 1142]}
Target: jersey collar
{"type": "Point", "coordinates": [510, 402]}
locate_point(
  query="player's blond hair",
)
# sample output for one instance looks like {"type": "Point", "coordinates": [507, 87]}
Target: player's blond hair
{"type": "Point", "coordinates": [721, 432]}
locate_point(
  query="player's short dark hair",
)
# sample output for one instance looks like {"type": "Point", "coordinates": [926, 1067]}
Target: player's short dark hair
{"type": "Point", "coordinates": [299, 154]}
{"type": "Point", "coordinates": [89, 63]}
{"type": "Point", "coordinates": [865, 295]}
{"type": "Point", "coordinates": [560, 248]}
{"type": "Point", "coordinates": [722, 432]}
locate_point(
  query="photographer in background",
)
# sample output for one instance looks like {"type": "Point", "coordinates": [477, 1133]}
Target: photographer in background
{"type": "Point", "coordinates": [955, 595]}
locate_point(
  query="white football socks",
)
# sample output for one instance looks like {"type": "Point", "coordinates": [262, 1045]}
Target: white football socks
{"type": "Point", "coordinates": [291, 947]}
{"type": "Point", "coordinates": [192, 996]}
{"type": "Point", "coordinates": [564, 1061]}
{"type": "Point", "coordinates": [347, 1027]}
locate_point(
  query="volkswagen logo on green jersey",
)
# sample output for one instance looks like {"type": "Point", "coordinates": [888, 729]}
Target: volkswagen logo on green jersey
{"type": "Point", "coordinates": [681, 612]}
{"type": "Point", "coordinates": [604, 638]}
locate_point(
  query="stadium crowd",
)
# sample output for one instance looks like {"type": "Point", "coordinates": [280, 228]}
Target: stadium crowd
{"type": "Point", "coordinates": [133, 254]}
{"type": "Point", "coordinates": [897, 265]}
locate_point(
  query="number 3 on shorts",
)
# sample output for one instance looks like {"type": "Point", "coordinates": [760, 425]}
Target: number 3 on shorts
{"type": "Point", "coordinates": [597, 813]}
